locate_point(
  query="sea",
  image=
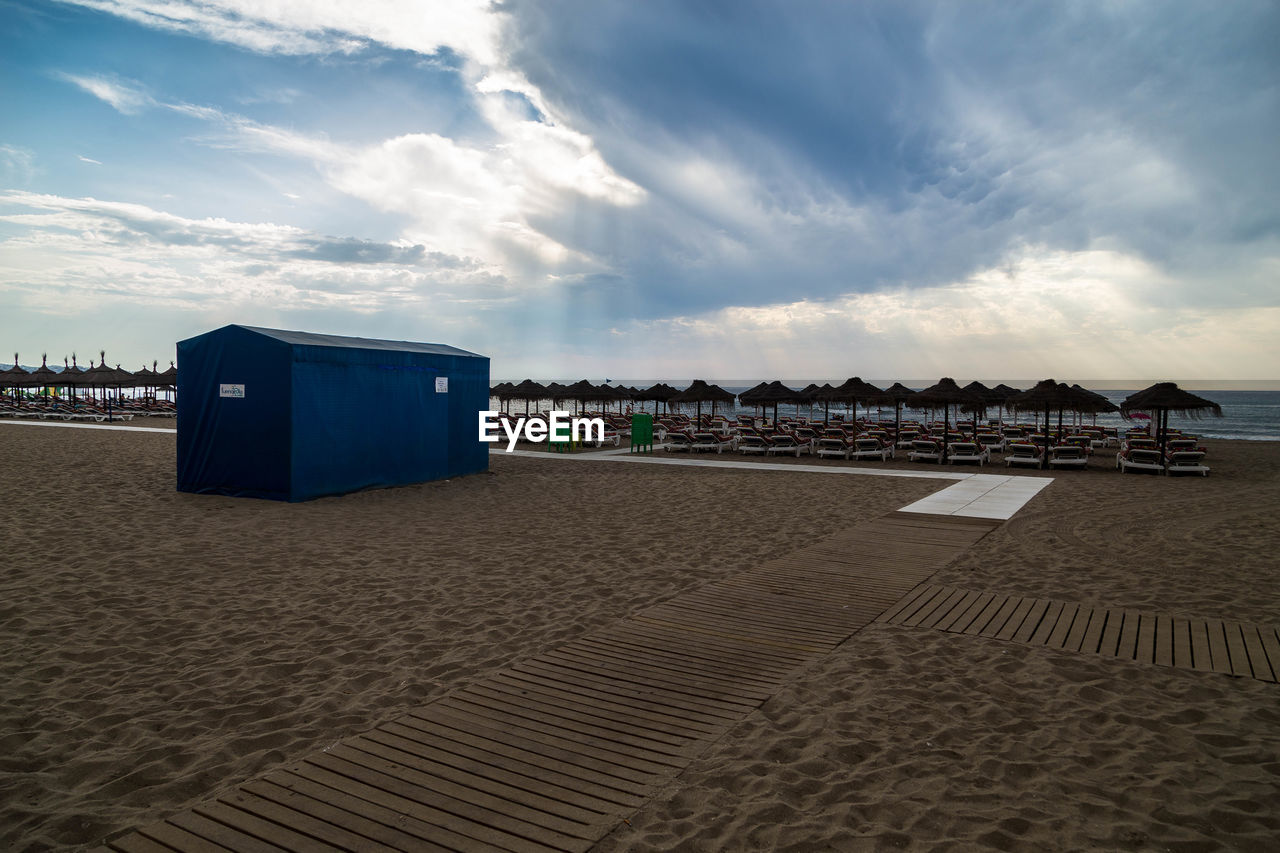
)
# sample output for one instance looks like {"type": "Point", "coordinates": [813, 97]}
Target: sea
{"type": "Point", "coordinates": [1250, 415]}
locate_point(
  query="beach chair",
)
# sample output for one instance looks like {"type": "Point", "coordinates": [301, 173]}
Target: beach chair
{"type": "Point", "coordinates": [679, 442]}
{"type": "Point", "coordinates": [1140, 459]}
{"type": "Point", "coordinates": [991, 442]}
{"type": "Point", "coordinates": [785, 442]}
{"type": "Point", "coordinates": [925, 450]}
{"type": "Point", "coordinates": [1068, 456]}
{"type": "Point", "coordinates": [1022, 453]}
{"type": "Point", "coordinates": [707, 440]}
{"type": "Point", "coordinates": [833, 443]}
{"type": "Point", "coordinates": [871, 448]}
{"type": "Point", "coordinates": [1186, 462]}
{"type": "Point", "coordinates": [753, 444]}
{"type": "Point", "coordinates": [967, 451]}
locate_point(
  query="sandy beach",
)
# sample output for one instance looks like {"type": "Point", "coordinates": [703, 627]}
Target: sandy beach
{"type": "Point", "coordinates": [162, 647]}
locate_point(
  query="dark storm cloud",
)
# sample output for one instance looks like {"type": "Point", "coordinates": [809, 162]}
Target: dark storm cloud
{"type": "Point", "coordinates": [936, 137]}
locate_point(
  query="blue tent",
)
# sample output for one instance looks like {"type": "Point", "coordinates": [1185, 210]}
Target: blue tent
{"type": "Point", "coordinates": [293, 415]}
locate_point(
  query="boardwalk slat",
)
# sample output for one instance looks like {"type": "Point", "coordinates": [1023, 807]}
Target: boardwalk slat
{"type": "Point", "coordinates": [1162, 653]}
{"type": "Point", "coordinates": [219, 833]}
{"type": "Point", "coordinates": [421, 817]}
{"type": "Point", "coordinates": [1109, 642]}
{"type": "Point", "coordinates": [1145, 651]}
{"type": "Point", "coordinates": [1257, 654]}
{"type": "Point", "coordinates": [286, 836]}
{"type": "Point", "coordinates": [510, 760]}
{"type": "Point", "coordinates": [1032, 621]}
{"type": "Point", "coordinates": [668, 726]}
{"type": "Point", "coordinates": [1048, 623]}
{"type": "Point", "coordinates": [558, 708]}
{"type": "Point", "coordinates": [1236, 651]}
{"type": "Point", "coordinates": [1270, 640]}
{"type": "Point", "coordinates": [617, 744]}
{"type": "Point", "coordinates": [1201, 657]}
{"type": "Point", "coordinates": [500, 821]}
{"type": "Point", "coordinates": [964, 611]}
{"type": "Point", "coordinates": [574, 762]}
{"type": "Point", "coordinates": [1183, 655]}
{"type": "Point", "coordinates": [1016, 619]}
{"type": "Point", "coordinates": [1127, 644]}
{"type": "Point", "coordinates": [1098, 622]}
{"type": "Point", "coordinates": [427, 766]}
{"type": "Point", "coordinates": [1084, 619]}
{"type": "Point", "coordinates": [985, 615]}
{"type": "Point", "coordinates": [997, 622]}
{"type": "Point", "coordinates": [940, 604]}
{"type": "Point", "coordinates": [903, 603]}
{"type": "Point", "coordinates": [177, 838]}
{"type": "Point", "coordinates": [1220, 656]}
{"type": "Point", "coordinates": [343, 829]}
{"type": "Point", "coordinates": [1057, 638]}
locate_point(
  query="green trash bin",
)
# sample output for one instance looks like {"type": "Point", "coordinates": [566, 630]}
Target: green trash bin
{"type": "Point", "coordinates": [642, 433]}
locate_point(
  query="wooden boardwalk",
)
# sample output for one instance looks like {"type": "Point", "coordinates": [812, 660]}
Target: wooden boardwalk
{"type": "Point", "coordinates": [554, 751]}
{"type": "Point", "coordinates": [1209, 645]}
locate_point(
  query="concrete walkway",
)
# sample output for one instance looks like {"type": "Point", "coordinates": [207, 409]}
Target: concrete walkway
{"type": "Point", "coordinates": [995, 496]}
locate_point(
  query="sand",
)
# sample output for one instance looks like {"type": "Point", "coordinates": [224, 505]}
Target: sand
{"type": "Point", "coordinates": [163, 647]}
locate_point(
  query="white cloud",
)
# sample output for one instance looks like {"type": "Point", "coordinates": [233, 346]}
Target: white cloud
{"type": "Point", "coordinates": [84, 159]}
{"type": "Point", "coordinates": [125, 98]}
{"type": "Point", "coordinates": [1041, 313]}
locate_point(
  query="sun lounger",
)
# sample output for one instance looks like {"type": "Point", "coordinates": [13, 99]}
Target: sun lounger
{"type": "Point", "coordinates": [753, 444]}
{"type": "Point", "coordinates": [1140, 459]}
{"type": "Point", "coordinates": [785, 442]}
{"type": "Point", "coordinates": [833, 446]}
{"type": "Point", "coordinates": [1068, 456]}
{"type": "Point", "coordinates": [925, 450]}
{"type": "Point", "coordinates": [678, 442]}
{"type": "Point", "coordinates": [707, 440]}
{"type": "Point", "coordinates": [967, 451]}
{"type": "Point", "coordinates": [1186, 462]}
{"type": "Point", "coordinates": [1022, 453]}
{"type": "Point", "coordinates": [871, 448]}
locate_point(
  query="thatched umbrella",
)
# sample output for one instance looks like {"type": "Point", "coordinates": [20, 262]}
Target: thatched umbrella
{"type": "Point", "coordinates": [42, 377]}
{"type": "Point", "coordinates": [700, 392]}
{"type": "Point", "coordinates": [897, 393]}
{"type": "Point", "coordinates": [775, 392]}
{"type": "Point", "coordinates": [852, 390]}
{"type": "Point", "coordinates": [1165, 397]}
{"type": "Point", "coordinates": [945, 392]}
{"type": "Point", "coordinates": [1048, 395]}
{"type": "Point", "coordinates": [660, 392]}
{"type": "Point", "coordinates": [13, 377]}
{"type": "Point", "coordinates": [1094, 403]}
{"type": "Point", "coordinates": [502, 391]}
{"type": "Point", "coordinates": [750, 396]}
{"type": "Point", "coordinates": [984, 396]}
{"type": "Point", "coordinates": [528, 390]}
{"type": "Point", "coordinates": [1001, 393]}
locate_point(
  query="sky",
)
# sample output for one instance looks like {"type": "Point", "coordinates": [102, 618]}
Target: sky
{"type": "Point", "coordinates": [661, 189]}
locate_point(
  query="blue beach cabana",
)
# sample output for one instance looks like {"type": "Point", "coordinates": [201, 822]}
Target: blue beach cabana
{"type": "Point", "coordinates": [293, 415]}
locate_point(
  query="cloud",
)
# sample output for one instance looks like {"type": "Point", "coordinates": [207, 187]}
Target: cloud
{"type": "Point", "coordinates": [79, 255]}
{"type": "Point", "coordinates": [84, 159]}
{"type": "Point", "coordinates": [17, 165]}
{"type": "Point", "coordinates": [126, 98]}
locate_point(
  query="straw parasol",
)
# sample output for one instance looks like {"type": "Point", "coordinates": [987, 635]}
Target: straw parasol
{"type": "Point", "coordinates": [1165, 397]}
{"type": "Point", "coordinates": [897, 393]}
{"type": "Point", "coordinates": [1048, 395]}
{"type": "Point", "coordinates": [658, 393]}
{"type": "Point", "coordinates": [945, 392]}
{"type": "Point", "coordinates": [852, 390]}
{"type": "Point", "coordinates": [775, 392]}
{"type": "Point", "coordinates": [528, 390]}
{"type": "Point", "coordinates": [700, 392]}
{"type": "Point", "coordinates": [13, 377]}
